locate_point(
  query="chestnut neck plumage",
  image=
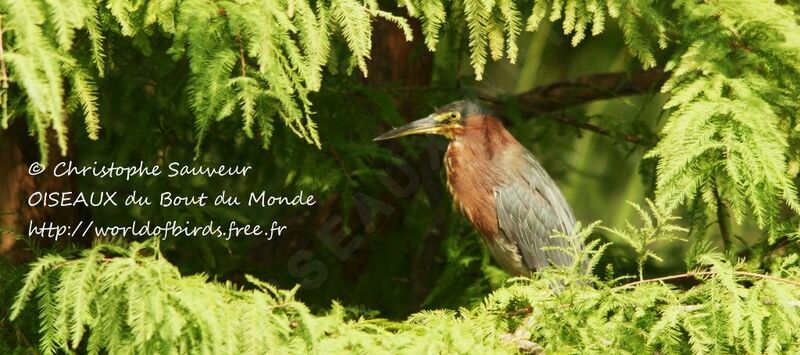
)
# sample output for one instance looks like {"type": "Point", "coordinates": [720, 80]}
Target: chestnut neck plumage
{"type": "Point", "coordinates": [474, 162]}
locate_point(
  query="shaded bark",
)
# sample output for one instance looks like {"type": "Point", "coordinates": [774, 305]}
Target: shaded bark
{"type": "Point", "coordinates": [588, 88]}
{"type": "Point", "coordinates": [723, 219]}
{"type": "Point", "coordinates": [19, 150]}
{"type": "Point", "coordinates": [548, 100]}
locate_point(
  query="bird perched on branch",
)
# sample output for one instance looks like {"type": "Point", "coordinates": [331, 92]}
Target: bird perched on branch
{"type": "Point", "coordinates": [499, 186]}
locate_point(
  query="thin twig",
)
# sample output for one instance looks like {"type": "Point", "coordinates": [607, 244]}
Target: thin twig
{"type": "Point", "coordinates": [599, 130]}
{"type": "Point", "coordinates": [341, 163]}
{"type": "Point", "coordinates": [241, 54]}
{"type": "Point", "coordinates": [3, 80]}
{"type": "Point", "coordinates": [423, 260]}
{"type": "Point", "coordinates": [709, 273]}
{"type": "Point", "coordinates": [722, 219]}
{"type": "Point", "coordinates": [516, 312]}
{"type": "Point", "coordinates": [25, 339]}
{"type": "Point", "coordinates": [4, 77]}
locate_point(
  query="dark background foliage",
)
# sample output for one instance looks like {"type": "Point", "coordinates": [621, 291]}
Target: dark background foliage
{"type": "Point", "coordinates": [384, 238]}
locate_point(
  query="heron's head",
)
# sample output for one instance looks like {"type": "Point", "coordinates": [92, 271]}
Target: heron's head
{"type": "Point", "coordinates": [448, 120]}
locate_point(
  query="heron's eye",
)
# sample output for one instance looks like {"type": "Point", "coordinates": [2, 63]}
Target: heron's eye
{"type": "Point", "coordinates": [453, 116]}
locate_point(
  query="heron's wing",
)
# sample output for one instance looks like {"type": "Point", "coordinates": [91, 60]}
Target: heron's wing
{"type": "Point", "coordinates": [530, 208]}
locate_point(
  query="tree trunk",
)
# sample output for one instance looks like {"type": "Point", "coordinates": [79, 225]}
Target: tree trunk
{"type": "Point", "coordinates": [19, 151]}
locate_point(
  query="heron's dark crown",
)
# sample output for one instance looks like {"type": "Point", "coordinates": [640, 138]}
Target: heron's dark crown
{"type": "Point", "coordinates": [465, 107]}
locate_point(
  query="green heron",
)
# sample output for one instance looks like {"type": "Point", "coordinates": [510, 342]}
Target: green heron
{"type": "Point", "coordinates": [499, 186]}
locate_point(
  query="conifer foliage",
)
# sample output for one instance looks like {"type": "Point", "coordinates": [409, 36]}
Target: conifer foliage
{"type": "Point", "coordinates": [729, 146]}
{"type": "Point", "coordinates": [129, 299]}
{"type": "Point", "coordinates": [734, 92]}
{"type": "Point", "coordinates": [734, 82]}
{"type": "Point", "coordinates": [262, 58]}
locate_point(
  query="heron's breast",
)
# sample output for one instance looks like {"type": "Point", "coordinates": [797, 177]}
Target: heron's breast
{"type": "Point", "coordinates": [472, 181]}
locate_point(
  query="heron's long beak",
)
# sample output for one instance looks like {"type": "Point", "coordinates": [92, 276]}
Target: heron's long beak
{"type": "Point", "coordinates": [427, 125]}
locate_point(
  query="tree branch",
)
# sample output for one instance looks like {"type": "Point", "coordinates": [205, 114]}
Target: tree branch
{"type": "Point", "coordinates": [561, 95]}
{"type": "Point", "coordinates": [241, 55]}
{"type": "Point", "coordinates": [722, 219]}
{"type": "Point", "coordinates": [709, 273]}
{"type": "Point", "coordinates": [643, 141]}
{"type": "Point", "coordinates": [3, 82]}
{"type": "Point", "coordinates": [588, 88]}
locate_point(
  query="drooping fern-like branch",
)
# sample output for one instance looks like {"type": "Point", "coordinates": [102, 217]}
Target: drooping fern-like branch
{"type": "Point", "coordinates": [279, 46]}
{"type": "Point", "coordinates": [121, 299]}
{"type": "Point", "coordinates": [286, 43]}
{"type": "Point", "coordinates": [733, 93]}
{"type": "Point", "coordinates": [493, 26]}
{"type": "Point", "coordinates": [733, 87]}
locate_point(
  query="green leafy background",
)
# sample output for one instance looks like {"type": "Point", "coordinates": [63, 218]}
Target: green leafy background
{"type": "Point", "coordinates": [298, 89]}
